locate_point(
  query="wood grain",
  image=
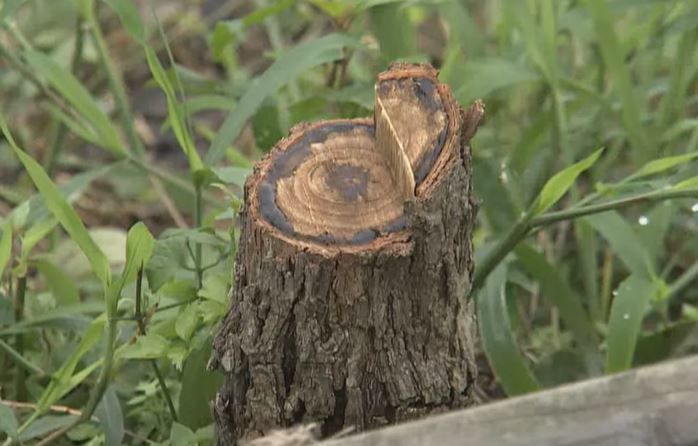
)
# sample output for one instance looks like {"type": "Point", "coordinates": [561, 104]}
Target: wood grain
{"type": "Point", "coordinates": [653, 406]}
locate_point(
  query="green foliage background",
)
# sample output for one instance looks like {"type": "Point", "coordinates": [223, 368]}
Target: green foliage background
{"type": "Point", "coordinates": [586, 241]}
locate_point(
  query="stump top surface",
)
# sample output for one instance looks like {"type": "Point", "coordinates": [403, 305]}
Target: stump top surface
{"type": "Point", "coordinates": [346, 182]}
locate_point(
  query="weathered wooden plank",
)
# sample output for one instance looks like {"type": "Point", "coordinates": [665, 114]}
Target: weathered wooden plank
{"type": "Point", "coordinates": [651, 406]}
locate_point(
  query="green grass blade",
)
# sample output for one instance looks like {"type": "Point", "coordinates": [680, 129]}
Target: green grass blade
{"type": "Point", "coordinates": [484, 76]}
{"type": "Point", "coordinates": [34, 209]}
{"type": "Point", "coordinates": [75, 93]}
{"type": "Point", "coordinates": [535, 39]}
{"type": "Point", "coordinates": [614, 58]}
{"type": "Point", "coordinates": [690, 183]}
{"type": "Point", "coordinates": [628, 310]}
{"type": "Point", "coordinates": [560, 183]}
{"type": "Point", "coordinates": [674, 101]}
{"type": "Point", "coordinates": [175, 112]}
{"type": "Point", "coordinates": [625, 242]}
{"type": "Point", "coordinates": [64, 379]}
{"type": "Point", "coordinates": [63, 212]}
{"type": "Point", "coordinates": [83, 130]}
{"type": "Point", "coordinates": [261, 14]}
{"type": "Point", "coordinates": [67, 317]}
{"type": "Point", "coordinates": [286, 68]}
{"type": "Point", "coordinates": [130, 18]}
{"type": "Point", "coordinates": [5, 246]}
{"type": "Point", "coordinates": [560, 293]}
{"type": "Point", "coordinates": [662, 164]}
{"type": "Point", "coordinates": [9, 7]}
{"type": "Point", "coordinates": [588, 246]}
{"type": "Point", "coordinates": [498, 339]}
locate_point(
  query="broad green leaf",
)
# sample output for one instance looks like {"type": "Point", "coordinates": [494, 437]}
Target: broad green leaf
{"type": "Point", "coordinates": [625, 242]}
{"type": "Point", "coordinates": [75, 93]}
{"type": "Point", "coordinates": [130, 18]}
{"type": "Point", "coordinates": [627, 312]}
{"type": "Point", "coordinates": [206, 434]}
{"type": "Point", "coordinates": [558, 185]}
{"type": "Point", "coordinates": [215, 288]}
{"type": "Point", "coordinates": [171, 259]}
{"type": "Point", "coordinates": [149, 346]}
{"type": "Point", "coordinates": [177, 353]}
{"type": "Point", "coordinates": [175, 112]}
{"type": "Point", "coordinates": [63, 212]}
{"type": "Point", "coordinates": [199, 387]}
{"type": "Point", "coordinates": [656, 346]}
{"type": "Point", "coordinates": [394, 32]}
{"type": "Point", "coordinates": [45, 425]}
{"type": "Point", "coordinates": [614, 58]}
{"type": "Point", "coordinates": [111, 418]}
{"type": "Point", "coordinates": [266, 127]}
{"type": "Point", "coordinates": [8, 421]}
{"type": "Point", "coordinates": [560, 294]}
{"type": "Point", "coordinates": [498, 339]}
{"type": "Point", "coordinates": [139, 249]}
{"type": "Point", "coordinates": [485, 76]}
{"type": "Point", "coordinates": [187, 320]}
{"type": "Point", "coordinates": [169, 263]}
{"type": "Point", "coordinates": [181, 435]}
{"type": "Point", "coordinates": [232, 175]}
{"type": "Point", "coordinates": [662, 164]}
{"type": "Point", "coordinates": [286, 68]}
{"type": "Point", "coordinates": [5, 246]}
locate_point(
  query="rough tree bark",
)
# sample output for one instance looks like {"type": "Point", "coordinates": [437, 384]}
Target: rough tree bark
{"type": "Point", "coordinates": [350, 304]}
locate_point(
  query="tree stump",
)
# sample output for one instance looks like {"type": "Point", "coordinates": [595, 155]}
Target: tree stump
{"type": "Point", "coordinates": [350, 305]}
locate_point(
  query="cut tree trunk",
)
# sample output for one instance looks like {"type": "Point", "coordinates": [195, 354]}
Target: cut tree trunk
{"type": "Point", "coordinates": [350, 305]}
